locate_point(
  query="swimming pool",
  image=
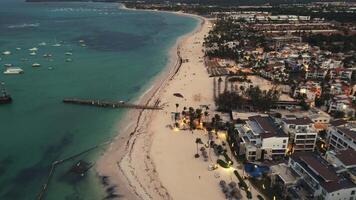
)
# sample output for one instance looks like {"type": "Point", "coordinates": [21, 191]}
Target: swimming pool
{"type": "Point", "coordinates": [255, 170]}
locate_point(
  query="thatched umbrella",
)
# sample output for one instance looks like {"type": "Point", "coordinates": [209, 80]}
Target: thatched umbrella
{"type": "Point", "coordinates": [222, 183]}
{"type": "Point", "coordinates": [236, 194]}
{"type": "Point", "coordinates": [202, 149]}
{"type": "Point", "coordinates": [232, 184]}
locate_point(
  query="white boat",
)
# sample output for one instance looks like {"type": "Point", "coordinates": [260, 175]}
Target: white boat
{"type": "Point", "coordinates": [8, 65]}
{"type": "Point", "coordinates": [68, 60]}
{"type": "Point", "coordinates": [33, 53]}
{"type": "Point", "coordinates": [57, 45]}
{"type": "Point", "coordinates": [50, 68]}
{"type": "Point", "coordinates": [5, 53]}
{"type": "Point", "coordinates": [47, 55]}
{"type": "Point", "coordinates": [42, 44]}
{"type": "Point", "coordinates": [36, 65]}
{"type": "Point", "coordinates": [81, 41]}
{"type": "Point", "coordinates": [33, 49]}
{"type": "Point", "coordinates": [13, 70]}
{"type": "Point", "coordinates": [68, 53]}
{"type": "Point", "coordinates": [18, 48]}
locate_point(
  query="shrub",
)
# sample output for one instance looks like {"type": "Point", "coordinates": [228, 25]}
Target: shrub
{"type": "Point", "coordinates": [223, 163]}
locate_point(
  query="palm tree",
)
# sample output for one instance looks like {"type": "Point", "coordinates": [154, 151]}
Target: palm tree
{"type": "Point", "coordinates": [206, 114]}
{"type": "Point", "coordinates": [177, 105]}
{"type": "Point", "coordinates": [219, 85]}
{"type": "Point", "coordinates": [199, 114]}
{"type": "Point", "coordinates": [226, 82]}
{"type": "Point", "coordinates": [197, 142]}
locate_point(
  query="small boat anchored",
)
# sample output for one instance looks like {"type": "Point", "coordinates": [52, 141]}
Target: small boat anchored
{"type": "Point", "coordinates": [13, 70]}
{"type": "Point", "coordinates": [5, 98]}
{"type": "Point", "coordinates": [33, 49]}
{"type": "Point", "coordinates": [36, 65]}
{"type": "Point", "coordinates": [6, 53]}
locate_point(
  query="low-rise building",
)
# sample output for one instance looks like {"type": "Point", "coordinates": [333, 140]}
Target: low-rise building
{"type": "Point", "coordinates": [321, 178]}
{"type": "Point", "coordinates": [301, 132]}
{"type": "Point", "coordinates": [342, 137]}
{"type": "Point", "coordinates": [309, 90]}
{"type": "Point", "coordinates": [261, 138]}
{"type": "Point", "coordinates": [342, 103]}
{"type": "Point", "coordinates": [320, 118]}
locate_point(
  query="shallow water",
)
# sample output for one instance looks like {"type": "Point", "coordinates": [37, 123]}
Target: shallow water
{"type": "Point", "coordinates": [124, 51]}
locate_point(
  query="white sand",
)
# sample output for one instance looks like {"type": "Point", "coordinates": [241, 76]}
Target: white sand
{"type": "Point", "coordinates": [149, 160]}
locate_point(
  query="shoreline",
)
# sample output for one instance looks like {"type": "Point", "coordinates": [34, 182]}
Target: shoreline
{"type": "Point", "coordinates": [116, 162]}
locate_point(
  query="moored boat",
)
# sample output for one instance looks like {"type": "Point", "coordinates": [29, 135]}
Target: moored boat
{"type": "Point", "coordinates": [36, 65]}
{"type": "Point", "coordinates": [5, 98]}
{"type": "Point", "coordinates": [13, 70]}
{"type": "Point", "coordinates": [6, 53]}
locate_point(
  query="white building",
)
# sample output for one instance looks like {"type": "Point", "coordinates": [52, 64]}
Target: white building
{"type": "Point", "coordinates": [301, 131]}
{"type": "Point", "coordinates": [342, 103]}
{"type": "Point", "coordinates": [342, 137]}
{"type": "Point", "coordinates": [322, 178]}
{"type": "Point", "coordinates": [261, 138]}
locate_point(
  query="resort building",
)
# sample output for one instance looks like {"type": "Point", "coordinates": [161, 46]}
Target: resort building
{"type": "Point", "coordinates": [321, 179]}
{"type": "Point", "coordinates": [301, 132]}
{"type": "Point", "coordinates": [342, 137]}
{"type": "Point", "coordinates": [261, 138]}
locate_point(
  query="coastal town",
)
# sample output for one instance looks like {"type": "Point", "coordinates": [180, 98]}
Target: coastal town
{"type": "Point", "coordinates": [262, 107]}
{"type": "Point", "coordinates": [226, 99]}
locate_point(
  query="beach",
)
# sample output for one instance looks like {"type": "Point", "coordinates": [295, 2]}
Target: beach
{"type": "Point", "coordinates": [149, 159]}
{"type": "Point", "coordinates": [129, 161]}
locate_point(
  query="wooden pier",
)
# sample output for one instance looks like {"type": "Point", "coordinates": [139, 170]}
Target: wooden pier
{"type": "Point", "coordinates": [110, 104]}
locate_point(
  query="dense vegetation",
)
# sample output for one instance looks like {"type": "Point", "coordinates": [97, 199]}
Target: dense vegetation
{"type": "Point", "coordinates": [261, 100]}
{"type": "Point", "coordinates": [334, 43]}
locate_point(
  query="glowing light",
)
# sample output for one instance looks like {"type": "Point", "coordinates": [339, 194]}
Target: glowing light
{"type": "Point", "coordinates": [303, 91]}
{"type": "Point", "coordinates": [222, 136]}
{"type": "Point", "coordinates": [263, 186]}
{"type": "Point", "coordinates": [274, 197]}
{"type": "Point", "coordinates": [176, 129]}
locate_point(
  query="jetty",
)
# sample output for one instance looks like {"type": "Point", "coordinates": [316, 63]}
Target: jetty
{"type": "Point", "coordinates": [110, 104]}
{"type": "Point", "coordinates": [55, 164]}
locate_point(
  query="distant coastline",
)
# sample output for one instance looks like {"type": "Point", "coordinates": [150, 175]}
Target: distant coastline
{"type": "Point", "coordinates": [105, 1]}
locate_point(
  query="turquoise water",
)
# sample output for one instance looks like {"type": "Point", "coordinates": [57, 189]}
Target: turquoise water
{"type": "Point", "coordinates": [124, 51]}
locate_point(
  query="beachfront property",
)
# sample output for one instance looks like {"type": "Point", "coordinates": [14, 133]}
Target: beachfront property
{"type": "Point", "coordinates": [259, 138]}
{"type": "Point", "coordinates": [301, 132]}
{"type": "Point", "coordinates": [342, 137]}
{"type": "Point", "coordinates": [321, 180]}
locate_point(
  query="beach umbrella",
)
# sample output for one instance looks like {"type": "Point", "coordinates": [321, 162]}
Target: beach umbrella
{"type": "Point", "coordinates": [232, 184]}
{"type": "Point", "coordinates": [202, 149]}
{"type": "Point", "coordinates": [222, 183]}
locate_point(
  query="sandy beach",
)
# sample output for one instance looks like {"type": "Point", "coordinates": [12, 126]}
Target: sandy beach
{"type": "Point", "coordinates": [150, 160]}
{"type": "Point", "coordinates": [128, 161]}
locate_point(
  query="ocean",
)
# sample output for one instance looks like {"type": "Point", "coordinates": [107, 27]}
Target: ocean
{"type": "Point", "coordinates": [116, 53]}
